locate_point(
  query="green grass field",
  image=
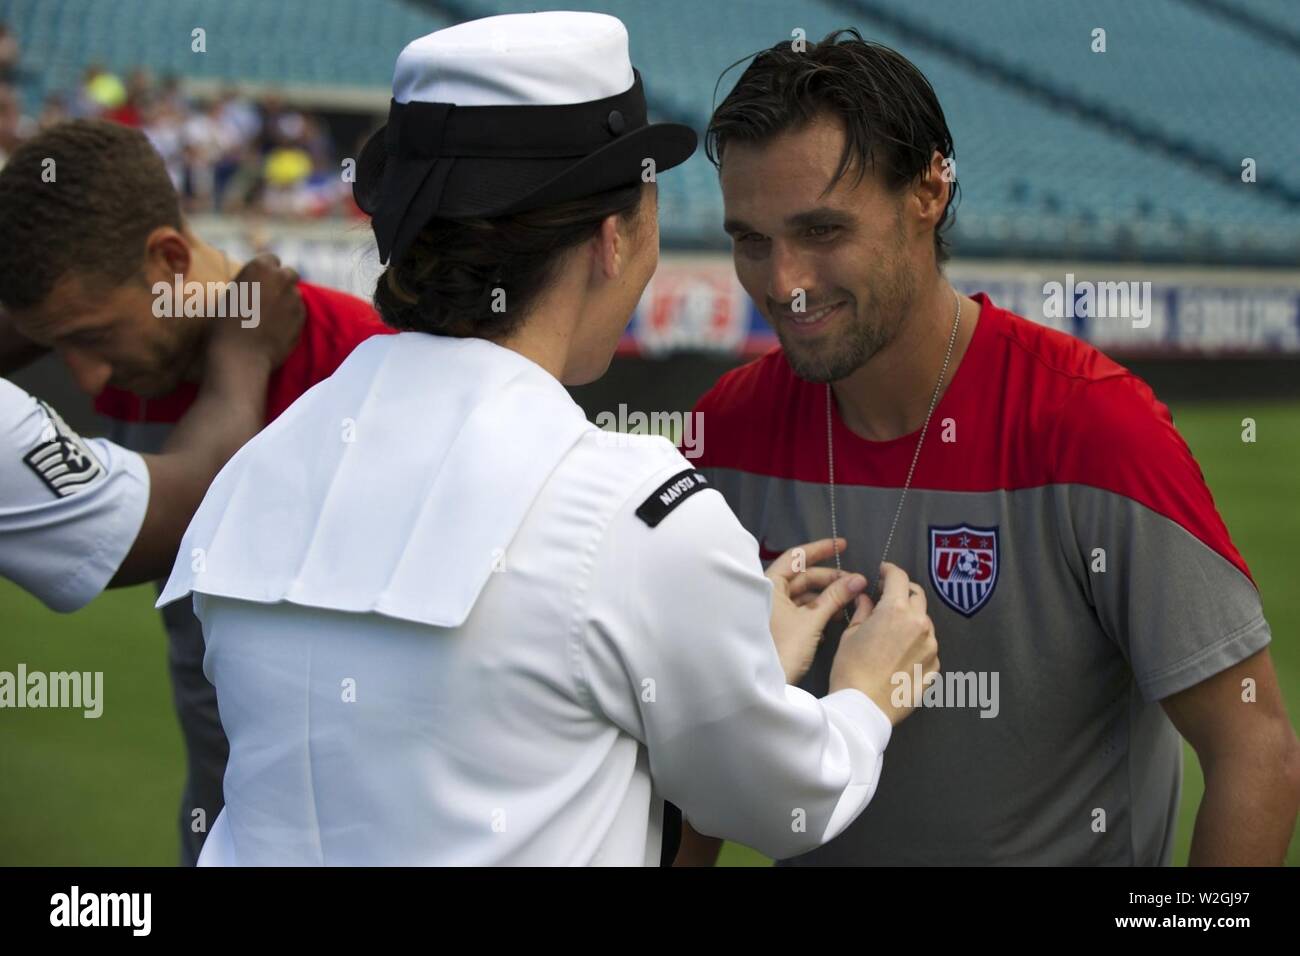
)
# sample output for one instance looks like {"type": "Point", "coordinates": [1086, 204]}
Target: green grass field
{"type": "Point", "coordinates": [75, 791]}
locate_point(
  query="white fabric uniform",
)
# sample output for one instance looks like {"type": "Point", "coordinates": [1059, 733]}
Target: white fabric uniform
{"type": "Point", "coordinates": [70, 508]}
{"type": "Point", "coordinates": [440, 634]}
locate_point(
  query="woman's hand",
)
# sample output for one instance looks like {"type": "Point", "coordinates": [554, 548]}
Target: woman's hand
{"type": "Point", "coordinates": [803, 599]}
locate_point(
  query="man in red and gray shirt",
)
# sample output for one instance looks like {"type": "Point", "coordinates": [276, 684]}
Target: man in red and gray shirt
{"type": "Point", "coordinates": [100, 267]}
{"type": "Point", "coordinates": [1089, 604]}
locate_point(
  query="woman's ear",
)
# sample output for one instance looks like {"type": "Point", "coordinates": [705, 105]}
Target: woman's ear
{"type": "Point", "coordinates": [609, 248]}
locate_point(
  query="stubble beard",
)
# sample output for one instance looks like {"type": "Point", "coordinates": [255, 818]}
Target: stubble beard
{"type": "Point", "coordinates": [838, 357]}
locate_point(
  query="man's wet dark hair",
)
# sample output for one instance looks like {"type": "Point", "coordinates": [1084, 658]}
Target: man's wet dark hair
{"type": "Point", "coordinates": [892, 119]}
{"type": "Point", "coordinates": [110, 190]}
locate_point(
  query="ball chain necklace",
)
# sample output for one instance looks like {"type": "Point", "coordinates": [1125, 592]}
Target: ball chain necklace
{"type": "Point", "coordinates": [830, 450]}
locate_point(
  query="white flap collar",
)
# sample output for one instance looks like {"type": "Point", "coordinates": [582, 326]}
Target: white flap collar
{"type": "Point", "coordinates": [391, 487]}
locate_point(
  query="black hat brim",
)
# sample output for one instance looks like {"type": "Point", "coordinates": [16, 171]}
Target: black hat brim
{"type": "Point", "coordinates": [482, 187]}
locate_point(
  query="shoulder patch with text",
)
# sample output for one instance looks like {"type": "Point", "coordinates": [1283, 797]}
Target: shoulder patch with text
{"type": "Point", "coordinates": [670, 494]}
{"type": "Point", "coordinates": [62, 460]}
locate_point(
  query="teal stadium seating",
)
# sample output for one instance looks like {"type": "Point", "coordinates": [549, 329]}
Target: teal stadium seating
{"type": "Point", "coordinates": [1060, 151]}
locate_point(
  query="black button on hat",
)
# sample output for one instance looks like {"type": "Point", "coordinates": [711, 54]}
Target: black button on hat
{"type": "Point", "coordinates": [616, 123]}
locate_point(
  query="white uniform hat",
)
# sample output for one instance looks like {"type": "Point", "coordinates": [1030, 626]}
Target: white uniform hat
{"type": "Point", "coordinates": [505, 114]}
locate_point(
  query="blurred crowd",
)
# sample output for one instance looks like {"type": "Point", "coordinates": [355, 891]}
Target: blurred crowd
{"type": "Point", "coordinates": [230, 154]}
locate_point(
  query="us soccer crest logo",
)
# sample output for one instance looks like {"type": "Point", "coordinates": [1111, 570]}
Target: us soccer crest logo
{"type": "Point", "coordinates": [964, 566]}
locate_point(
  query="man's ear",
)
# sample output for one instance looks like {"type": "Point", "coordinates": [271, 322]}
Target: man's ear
{"type": "Point", "coordinates": [608, 248]}
{"type": "Point", "coordinates": [930, 191]}
{"type": "Point", "coordinates": [167, 254]}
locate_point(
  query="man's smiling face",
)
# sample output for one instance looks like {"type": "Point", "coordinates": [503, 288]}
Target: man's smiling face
{"type": "Point", "coordinates": [846, 247]}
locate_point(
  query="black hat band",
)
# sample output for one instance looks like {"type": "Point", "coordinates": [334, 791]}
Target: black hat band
{"type": "Point", "coordinates": [419, 130]}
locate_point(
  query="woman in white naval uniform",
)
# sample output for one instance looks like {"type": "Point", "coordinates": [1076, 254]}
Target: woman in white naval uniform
{"type": "Point", "coordinates": [451, 622]}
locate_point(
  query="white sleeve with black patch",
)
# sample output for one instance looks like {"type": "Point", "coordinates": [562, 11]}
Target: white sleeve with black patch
{"type": "Point", "coordinates": [70, 508]}
{"type": "Point", "coordinates": [678, 652]}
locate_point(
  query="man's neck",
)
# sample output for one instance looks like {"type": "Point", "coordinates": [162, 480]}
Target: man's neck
{"type": "Point", "coordinates": [213, 265]}
{"type": "Point", "coordinates": [889, 396]}
{"type": "Point", "coordinates": [207, 264]}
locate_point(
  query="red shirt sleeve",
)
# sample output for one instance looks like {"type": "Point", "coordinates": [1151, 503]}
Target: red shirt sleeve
{"type": "Point", "coordinates": [1114, 434]}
